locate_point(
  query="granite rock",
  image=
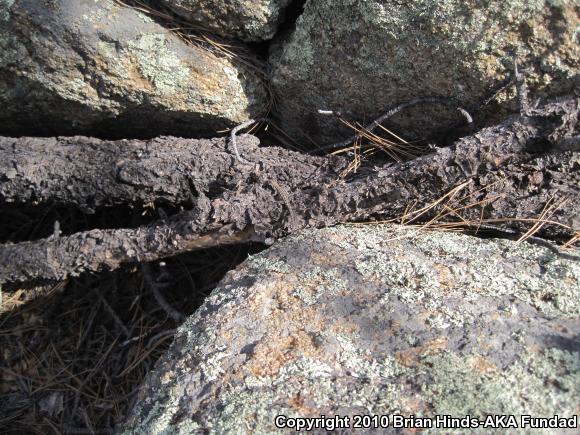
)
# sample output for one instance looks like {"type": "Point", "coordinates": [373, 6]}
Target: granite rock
{"type": "Point", "coordinates": [99, 68]}
{"type": "Point", "coordinates": [362, 57]}
{"type": "Point", "coordinates": [373, 319]}
{"type": "Point", "coordinates": [249, 20]}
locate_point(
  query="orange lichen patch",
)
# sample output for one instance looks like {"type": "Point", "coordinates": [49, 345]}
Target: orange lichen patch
{"type": "Point", "coordinates": [285, 300]}
{"type": "Point", "coordinates": [101, 63]}
{"type": "Point", "coordinates": [534, 348]}
{"type": "Point", "coordinates": [284, 313]}
{"type": "Point", "coordinates": [445, 278]}
{"type": "Point", "coordinates": [270, 295]}
{"type": "Point", "coordinates": [274, 352]}
{"type": "Point", "coordinates": [483, 341]}
{"type": "Point", "coordinates": [412, 405]}
{"type": "Point", "coordinates": [134, 80]}
{"type": "Point", "coordinates": [207, 78]}
{"type": "Point", "coordinates": [226, 335]}
{"type": "Point", "coordinates": [411, 357]}
{"type": "Point", "coordinates": [316, 281]}
{"type": "Point", "coordinates": [483, 365]}
{"type": "Point", "coordinates": [435, 346]}
{"type": "Point", "coordinates": [137, 80]}
{"type": "Point", "coordinates": [298, 319]}
{"type": "Point", "coordinates": [344, 327]}
{"type": "Point", "coordinates": [394, 327]}
{"type": "Point", "coordinates": [326, 259]}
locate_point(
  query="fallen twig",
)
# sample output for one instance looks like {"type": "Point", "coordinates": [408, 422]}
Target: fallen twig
{"type": "Point", "coordinates": [155, 288]}
{"type": "Point", "coordinates": [390, 113]}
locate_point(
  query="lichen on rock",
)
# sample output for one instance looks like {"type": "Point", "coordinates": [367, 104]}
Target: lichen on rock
{"type": "Point", "coordinates": [249, 20]}
{"type": "Point", "coordinates": [69, 67]}
{"type": "Point", "coordinates": [375, 319]}
{"type": "Point", "coordinates": [362, 57]}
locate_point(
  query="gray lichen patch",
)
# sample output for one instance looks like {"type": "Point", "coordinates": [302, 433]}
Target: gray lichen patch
{"type": "Point", "coordinates": [361, 58]}
{"type": "Point", "coordinates": [457, 268]}
{"type": "Point", "coordinates": [249, 20]}
{"type": "Point", "coordinates": [162, 68]}
{"type": "Point", "coordinates": [319, 283]}
{"type": "Point", "coordinates": [266, 264]}
{"type": "Point", "coordinates": [5, 6]}
{"type": "Point", "coordinates": [538, 384]}
{"type": "Point", "coordinates": [106, 67]}
{"type": "Point", "coordinates": [372, 319]}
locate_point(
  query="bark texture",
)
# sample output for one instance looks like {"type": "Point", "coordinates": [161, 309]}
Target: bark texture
{"type": "Point", "coordinates": [89, 172]}
{"type": "Point", "coordinates": [528, 161]}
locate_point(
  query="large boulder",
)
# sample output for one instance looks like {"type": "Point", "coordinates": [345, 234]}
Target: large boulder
{"type": "Point", "coordinates": [249, 20]}
{"type": "Point", "coordinates": [362, 57]}
{"type": "Point", "coordinates": [373, 320]}
{"type": "Point", "coordinates": [96, 67]}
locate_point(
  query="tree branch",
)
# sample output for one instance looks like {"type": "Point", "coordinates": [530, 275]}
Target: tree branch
{"type": "Point", "coordinates": [89, 173]}
{"type": "Point", "coordinates": [515, 168]}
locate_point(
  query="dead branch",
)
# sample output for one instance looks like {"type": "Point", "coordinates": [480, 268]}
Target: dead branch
{"type": "Point", "coordinates": [156, 287]}
{"type": "Point", "coordinates": [514, 169]}
{"type": "Point", "coordinates": [237, 220]}
{"type": "Point", "coordinates": [88, 172]}
{"type": "Point", "coordinates": [91, 251]}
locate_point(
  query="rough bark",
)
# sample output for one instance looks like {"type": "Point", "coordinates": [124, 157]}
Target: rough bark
{"type": "Point", "coordinates": [522, 159]}
{"type": "Point", "coordinates": [89, 173]}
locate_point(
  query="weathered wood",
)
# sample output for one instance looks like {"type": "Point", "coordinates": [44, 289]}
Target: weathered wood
{"type": "Point", "coordinates": [283, 192]}
{"type": "Point", "coordinates": [88, 172]}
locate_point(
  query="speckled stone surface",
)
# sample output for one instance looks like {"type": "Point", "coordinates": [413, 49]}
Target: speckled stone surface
{"type": "Point", "coordinates": [373, 319]}
{"type": "Point", "coordinates": [96, 67]}
{"type": "Point", "coordinates": [249, 20]}
{"type": "Point", "coordinates": [363, 57]}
